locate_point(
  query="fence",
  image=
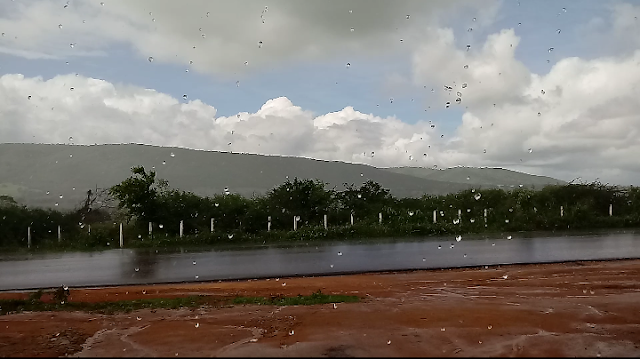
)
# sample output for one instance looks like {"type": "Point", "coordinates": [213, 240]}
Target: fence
{"type": "Point", "coordinates": [438, 216]}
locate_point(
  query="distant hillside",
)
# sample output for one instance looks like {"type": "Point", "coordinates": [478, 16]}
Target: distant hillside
{"type": "Point", "coordinates": [29, 171]}
{"type": "Point", "coordinates": [482, 177]}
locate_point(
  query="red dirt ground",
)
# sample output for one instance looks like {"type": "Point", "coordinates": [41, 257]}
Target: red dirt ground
{"type": "Point", "coordinates": [570, 309]}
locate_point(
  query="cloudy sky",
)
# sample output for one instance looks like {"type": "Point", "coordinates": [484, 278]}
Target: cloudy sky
{"type": "Point", "coordinates": [546, 87]}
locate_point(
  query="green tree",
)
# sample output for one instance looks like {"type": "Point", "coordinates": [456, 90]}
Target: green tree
{"type": "Point", "coordinates": [139, 193]}
{"type": "Point", "coordinates": [306, 198]}
{"type": "Point", "coordinates": [365, 202]}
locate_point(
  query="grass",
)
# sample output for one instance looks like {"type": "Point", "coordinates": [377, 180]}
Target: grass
{"type": "Point", "coordinates": [313, 299]}
{"type": "Point", "coordinates": [9, 306]}
{"type": "Point", "coordinates": [34, 304]}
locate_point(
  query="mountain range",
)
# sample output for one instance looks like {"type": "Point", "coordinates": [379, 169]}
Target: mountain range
{"type": "Point", "coordinates": [43, 175]}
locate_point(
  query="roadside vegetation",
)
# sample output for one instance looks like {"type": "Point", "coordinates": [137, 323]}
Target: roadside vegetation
{"type": "Point", "coordinates": [142, 199]}
{"type": "Point", "coordinates": [58, 300]}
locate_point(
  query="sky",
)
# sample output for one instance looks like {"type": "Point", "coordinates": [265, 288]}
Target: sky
{"type": "Point", "coordinates": [544, 87]}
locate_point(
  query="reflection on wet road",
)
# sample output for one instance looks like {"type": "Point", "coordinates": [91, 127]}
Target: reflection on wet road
{"type": "Point", "coordinates": [126, 266]}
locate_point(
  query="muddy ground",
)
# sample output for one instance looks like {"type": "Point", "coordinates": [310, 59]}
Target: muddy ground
{"type": "Point", "coordinates": [570, 309]}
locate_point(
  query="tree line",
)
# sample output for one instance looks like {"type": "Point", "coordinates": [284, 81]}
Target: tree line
{"type": "Point", "coordinates": [143, 198]}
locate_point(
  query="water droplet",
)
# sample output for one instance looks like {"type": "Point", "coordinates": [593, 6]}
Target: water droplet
{"type": "Point", "coordinates": [339, 253]}
{"type": "Point", "coordinates": [442, 329]}
{"type": "Point", "coordinates": [230, 236]}
{"type": "Point", "coordinates": [185, 96]}
{"type": "Point", "coordinates": [194, 262]}
{"type": "Point", "coordinates": [447, 104]}
{"type": "Point", "coordinates": [439, 247]}
{"type": "Point", "coordinates": [197, 325]}
{"type": "Point", "coordinates": [59, 27]}
{"type": "Point", "coordinates": [259, 44]}
{"type": "Point", "coordinates": [509, 237]}
{"type": "Point", "coordinates": [458, 238]}
{"type": "Point", "coordinates": [470, 29]}
{"type": "Point", "coordinates": [519, 24]}
{"type": "Point", "coordinates": [468, 47]}
{"type": "Point", "coordinates": [348, 64]}
{"type": "Point", "coordinates": [550, 49]}
{"type": "Point", "coordinates": [138, 318]}
{"type": "Point", "coordinates": [474, 19]}
{"type": "Point", "coordinates": [164, 162]}
{"type": "Point", "coordinates": [173, 154]}
{"type": "Point", "coordinates": [558, 31]}
{"type": "Point", "coordinates": [505, 276]}
{"type": "Point", "coordinates": [72, 45]}
{"type": "Point", "coordinates": [161, 226]}
{"type": "Point", "coordinates": [137, 269]}
{"type": "Point", "coordinates": [352, 29]}
{"type": "Point", "coordinates": [408, 16]}
{"type": "Point", "coordinates": [539, 114]}
{"type": "Point", "coordinates": [388, 342]}
{"type": "Point", "coordinates": [564, 9]}
{"type": "Point", "coordinates": [197, 276]}
{"type": "Point", "coordinates": [424, 259]}
{"type": "Point", "coordinates": [477, 196]}
{"type": "Point", "coordinates": [489, 327]}
{"type": "Point", "coordinates": [150, 59]}
{"type": "Point", "coordinates": [291, 332]}
{"type": "Point", "coordinates": [458, 100]}
{"type": "Point", "coordinates": [101, 3]}
{"type": "Point", "coordinates": [506, 221]}
{"type": "Point", "coordinates": [466, 66]}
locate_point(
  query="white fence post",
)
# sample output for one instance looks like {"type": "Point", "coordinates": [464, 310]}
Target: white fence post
{"type": "Point", "coordinates": [435, 216]}
{"type": "Point", "coordinates": [380, 218]}
{"type": "Point", "coordinates": [325, 222]}
{"type": "Point", "coordinates": [121, 237]}
{"type": "Point", "coordinates": [181, 228]}
{"type": "Point", "coordinates": [610, 209]}
{"type": "Point", "coordinates": [59, 234]}
{"type": "Point", "coordinates": [150, 229]}
{"type": "Point", "coordinates": [211, 224]}
{"type": "Point", "coordinates": [89, 229]}
{"type": "Point", "coordinates": [561, 211]}
{"type": "Point", "coordinates": [352, 218]}
{"type": "Point", "coordinates": [460, 216]}
{"type": "Point", "coordinates": [485, 216]}
{"type": "Point", "coordinates": [269, 224]}
{"type": "Point", "coordinates": [295, 223]}
{"type": "Point", "coordinates": [28, 237]}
